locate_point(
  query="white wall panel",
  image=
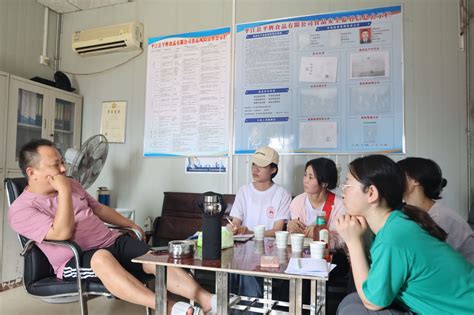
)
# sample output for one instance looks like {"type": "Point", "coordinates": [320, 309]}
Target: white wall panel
{"type": "Point", "coordinates": [21, 38]}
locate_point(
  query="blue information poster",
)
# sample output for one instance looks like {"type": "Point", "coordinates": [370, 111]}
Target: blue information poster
{"type": "Point", "coordinates": [326, 83]}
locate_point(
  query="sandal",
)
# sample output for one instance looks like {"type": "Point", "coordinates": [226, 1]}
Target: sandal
{"type": "Point", "coordinates": [181, 308]}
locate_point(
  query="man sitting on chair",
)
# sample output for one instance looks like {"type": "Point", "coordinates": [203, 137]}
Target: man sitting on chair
{"type": "Point", "coordinates": [55, 207]}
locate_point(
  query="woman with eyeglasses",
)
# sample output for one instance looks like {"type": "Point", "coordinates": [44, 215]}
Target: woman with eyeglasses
{"type": "Point", "coordinates": [412, 269]}
{"type": "Point", "coordinates": [319, 179]}
{"type": "Point", "coordinates": [424, 184]}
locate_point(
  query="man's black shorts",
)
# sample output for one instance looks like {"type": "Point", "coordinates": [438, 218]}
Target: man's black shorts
{"type": "Point", "coordinates": [124, 249]}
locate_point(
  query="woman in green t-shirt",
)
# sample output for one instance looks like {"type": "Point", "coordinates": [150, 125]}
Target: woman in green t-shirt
{"type": "Point", "coordinates": [412, 268]}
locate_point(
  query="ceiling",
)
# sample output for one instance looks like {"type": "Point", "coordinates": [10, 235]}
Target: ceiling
{"type": "Point", "coordinates": [66, 6]}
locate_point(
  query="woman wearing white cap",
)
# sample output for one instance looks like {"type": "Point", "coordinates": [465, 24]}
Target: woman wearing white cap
{"type": "Point", "coordinates": [261, 202]}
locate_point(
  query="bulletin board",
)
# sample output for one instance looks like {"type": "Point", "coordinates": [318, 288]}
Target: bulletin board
{"type": "Point", "coordinates": [188, 94]}
{"type": "Point", "coordinates": [326, 83]}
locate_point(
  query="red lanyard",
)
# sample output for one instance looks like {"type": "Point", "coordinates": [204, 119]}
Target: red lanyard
{"type": "Point", "coordinates": [328, 205]}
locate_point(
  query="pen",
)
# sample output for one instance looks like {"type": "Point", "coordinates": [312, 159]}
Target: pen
{"type": "Point", "coordinates": [228, 220]}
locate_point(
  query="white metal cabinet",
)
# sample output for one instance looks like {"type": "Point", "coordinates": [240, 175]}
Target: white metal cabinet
{"type": "Point", "coordinates": [3, 117]}
{"type": "Point", "coordinates": [38, 111]}
{"type": "Point", "coordinates": [11, 261]}
{"type": "Point", "coordinates": [3, 130]}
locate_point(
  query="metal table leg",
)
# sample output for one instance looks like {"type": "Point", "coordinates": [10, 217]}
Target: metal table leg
{"type": "Point", "coordinates": [267, 291]}
{"type": "Point", "coordinates": [322, 296]}
{"type": "Point", "coordinates": [295, 298]}
{"type": "Point", "coordinates": [222, 292]}
{"type": "Point", "coordinates": [160, 290]}
{"type": "Point", "coordinates": [314, 293]}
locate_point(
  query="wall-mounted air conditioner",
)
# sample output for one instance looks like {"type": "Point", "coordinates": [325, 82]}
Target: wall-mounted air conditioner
{"type": "Point", "coordinates": [103, 40]}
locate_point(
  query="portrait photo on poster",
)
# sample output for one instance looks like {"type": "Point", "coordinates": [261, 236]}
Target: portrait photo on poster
{"type": "Point", "coordinates": [365, 35]}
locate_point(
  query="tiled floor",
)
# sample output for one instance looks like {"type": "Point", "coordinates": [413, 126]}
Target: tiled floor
{"type": "Point", "coordinates": [18, 302]}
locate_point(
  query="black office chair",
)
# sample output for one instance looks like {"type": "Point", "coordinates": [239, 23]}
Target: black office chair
{"type": "Point", "coordinates": [38, 275]}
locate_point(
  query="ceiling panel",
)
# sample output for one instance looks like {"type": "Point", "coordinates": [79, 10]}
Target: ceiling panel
{"type": "Point", "coordinates": [66, 6]}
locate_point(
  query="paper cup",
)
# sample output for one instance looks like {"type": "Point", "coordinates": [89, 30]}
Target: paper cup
{"type": "Point", "coordinates": [317, 249]}
{"type": "Point", "coordinates": [281, 239]}
{"type": "Point", "coordinates": [259, 247]}
{"type": "Point", "coordinates": [282, 255]}
{"type": "Point", "coordinates": [259, 232]}
{"type": "Point", "coordinates": [297, 241]}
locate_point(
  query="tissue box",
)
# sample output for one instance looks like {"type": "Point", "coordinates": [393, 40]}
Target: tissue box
{"type": "Point", "coordinates": [269, 262]}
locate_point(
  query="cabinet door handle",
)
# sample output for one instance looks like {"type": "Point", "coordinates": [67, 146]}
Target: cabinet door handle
{"type": "Point", "coordinates": [52, 128]}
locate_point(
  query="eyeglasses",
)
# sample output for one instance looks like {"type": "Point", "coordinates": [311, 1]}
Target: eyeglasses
{"type": "Point", "coordinates": [343, 186]}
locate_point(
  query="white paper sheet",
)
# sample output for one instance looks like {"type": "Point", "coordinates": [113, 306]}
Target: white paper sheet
{"type": "Point", "coordinates": [318, 69]}
{"type": "Point", "coordinates": [318, 134]}
{"type": "Point", "coordinates": [309, 266]}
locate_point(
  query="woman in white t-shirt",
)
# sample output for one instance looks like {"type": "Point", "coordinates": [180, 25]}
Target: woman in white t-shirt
{"type": "Point", "coordinates": [424, 184]}
{"type": "Point", "coordinates": [261, 202]}
{"type": "Point", "coordinates": [320, 178]}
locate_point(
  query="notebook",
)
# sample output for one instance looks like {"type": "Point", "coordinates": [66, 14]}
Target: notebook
{"type": "Point", "coordinates": [242, 237]}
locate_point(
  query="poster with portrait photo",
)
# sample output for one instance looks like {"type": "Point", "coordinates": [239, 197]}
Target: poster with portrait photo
{"type": "Point", "coordinates": [369, 64]}
{"type": "Point", "coordinates": [324, 83]}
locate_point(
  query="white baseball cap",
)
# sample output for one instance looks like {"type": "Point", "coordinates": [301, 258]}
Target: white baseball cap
{"type": "Point", "coordinates": [265, 156]}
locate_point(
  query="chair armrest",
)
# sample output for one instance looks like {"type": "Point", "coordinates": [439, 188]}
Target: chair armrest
{"type": "Point", "coordinates": [27, 247]}
{"type": "Point", "coordinates": [73, 246]}
{"type": "Point", "coordinates": [125, 229]}
{"type": "Point", "coordinates": [76, 250]}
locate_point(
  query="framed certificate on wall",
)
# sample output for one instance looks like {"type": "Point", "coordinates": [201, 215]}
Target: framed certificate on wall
{"type": "Point", "coordinates": [113, 121]}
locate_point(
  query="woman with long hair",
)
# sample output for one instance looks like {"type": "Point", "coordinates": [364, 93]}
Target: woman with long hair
{"type": "Point", "coordinates": [424, 184]}
{"type": "Point", "coordinates": [410, 262]}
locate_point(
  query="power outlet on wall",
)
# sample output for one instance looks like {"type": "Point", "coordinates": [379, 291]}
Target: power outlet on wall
{"type": "Point", "coordinates": [44, 60]}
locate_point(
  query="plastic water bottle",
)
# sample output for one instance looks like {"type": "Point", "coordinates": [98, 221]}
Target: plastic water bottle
{"type": "Point", "coordinates": [148, 224]}
{"type": "Point", "coordinates": [320, 225]}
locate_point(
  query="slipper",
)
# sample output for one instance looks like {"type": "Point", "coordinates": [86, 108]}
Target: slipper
{"type": "Point", "coordinates": [181, 308]}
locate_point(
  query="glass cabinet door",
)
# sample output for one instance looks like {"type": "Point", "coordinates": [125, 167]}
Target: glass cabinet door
{"type": "Point", "coordinates": [41, 112]}
{"type": "Point", "coordinates": [26, 117]}
{"type": "Point", "coordinates": [29, 118]}
{"type": "Point", "coordinates": [64, 124]}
